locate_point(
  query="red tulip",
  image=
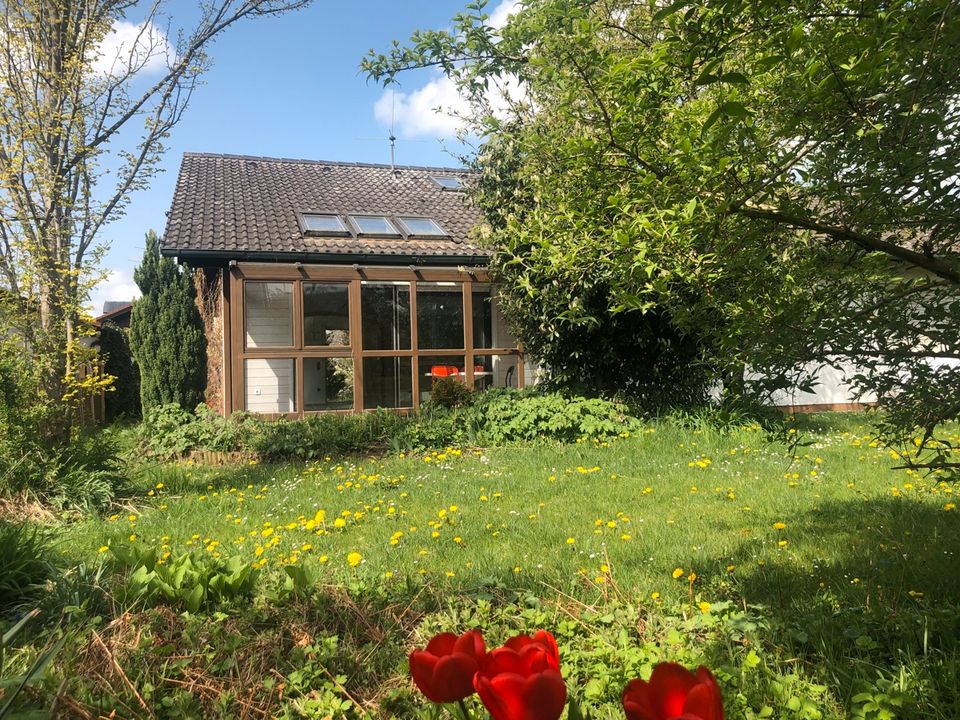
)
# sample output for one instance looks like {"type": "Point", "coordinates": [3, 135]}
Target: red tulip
{"type": "Point", "coordinates": [521, 680]}
{"type": "Point", "coordinates": [674, 693]}
{"type": "Point", "coordinates": [444, 670]}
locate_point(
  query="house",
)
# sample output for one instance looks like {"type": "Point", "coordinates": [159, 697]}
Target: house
{"type": "Point", "coordinates": [336, 287]}
{"type": "Point", "coordinates": [116, 312]}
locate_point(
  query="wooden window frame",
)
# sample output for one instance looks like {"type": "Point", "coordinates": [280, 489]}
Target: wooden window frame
{"type": "Point", "coordinates": [354, 277]}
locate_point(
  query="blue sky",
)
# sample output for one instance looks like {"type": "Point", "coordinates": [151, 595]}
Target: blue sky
{"type": "Point", "coordinates": [290, 86]}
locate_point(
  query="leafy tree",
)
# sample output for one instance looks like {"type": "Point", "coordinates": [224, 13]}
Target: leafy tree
{"type": "Point", "coordinates": [123, 399]}
{"type": "Point", "coordinates": [779, 177]}
{"type": "Point", "coordinates": [81, 128]}
{"type": "Point", "coordinates": [166, 332]}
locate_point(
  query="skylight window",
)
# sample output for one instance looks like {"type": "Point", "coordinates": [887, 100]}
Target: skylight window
{"type": "Point", "coordinates": [323, 224]}
{"type": "Point", "coordinates": [447, 182]}
{"type": "Point", "coordinates": [422, 227]}
{"type": "Point", "coordinates": [374, 225]}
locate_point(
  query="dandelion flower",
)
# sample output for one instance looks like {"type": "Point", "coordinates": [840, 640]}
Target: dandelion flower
{"type": "Point", "coordinates": [354, 558]}
{"type": "Point", "coordinates": [677, 573]}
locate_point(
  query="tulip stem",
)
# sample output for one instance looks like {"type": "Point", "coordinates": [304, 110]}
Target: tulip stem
{"type": "Point", "coordinates": [463, 709]}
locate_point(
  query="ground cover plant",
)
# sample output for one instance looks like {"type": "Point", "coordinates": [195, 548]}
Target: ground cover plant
{"type": "Point", "coordinates": [814, 581]}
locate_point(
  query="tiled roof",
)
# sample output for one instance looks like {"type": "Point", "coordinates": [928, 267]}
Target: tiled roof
{"type": "Point", "coordinates": [248, 206]}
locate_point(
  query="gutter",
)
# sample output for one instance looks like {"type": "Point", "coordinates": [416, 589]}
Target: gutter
{"type": "Point", "coordinates": [223, 257]}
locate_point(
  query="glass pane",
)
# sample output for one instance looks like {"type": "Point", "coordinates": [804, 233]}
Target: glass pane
{"type": "Point", "coordinates": [385, 316]}
{"type": "Point", "coordinates": [328, 383]}
{"type": "Point", "coordinates": [440, 315]}
{"type": "Point", "coordinates": [497, 371]}
{"type": "Point", "coordinates": [323, 223]}
{"type": "Point", "coordinates": [374, 225]}
{"type": "Point", "coordinates": [431, 368]}
{"type": "Point", "coordinates": [422, 226]}
{"type": "Point", "coordinates": [269, 314]}
{"type": "Point", "coordinates": [270, 385]}
{"type": "Point", "coordinates": [326, 314]}
{"type": "Point", "coordinates": [387, 382]}
{"type": "Point", "coordinates": [483, 319]}
{"type": "Point", "coordinates": [447, 183]}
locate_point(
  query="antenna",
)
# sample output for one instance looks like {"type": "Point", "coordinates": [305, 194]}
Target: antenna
{"type": "Point", "coordinates": [393, 138]}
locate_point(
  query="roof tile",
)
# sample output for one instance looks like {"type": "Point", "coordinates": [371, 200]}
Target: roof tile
{"type": "Point", "coordinates": [236, 203]}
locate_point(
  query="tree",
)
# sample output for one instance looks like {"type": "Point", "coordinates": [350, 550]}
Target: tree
{"type": "Point", "coordinates": [780, 177]}
{"type": "Point", "coordinates": [122, 400]}
{"type": "Point", "coordinates": [166, 332]}
{"type": "Point", "coordinates": [81, 128]}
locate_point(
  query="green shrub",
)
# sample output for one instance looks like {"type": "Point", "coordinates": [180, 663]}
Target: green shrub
{"type": "Point", "coordinates": [123, 400]}
{"type": "Point", "coordinates": [436, 428]}
{"type": "Point", "coordinates": [169, 431]}
{"type": "Point", "coordinates": [68, 469]}
{"type": "Point", "coordinates": [529, 415]}
{"type": "Point", "coordinates": [23, 422]}
{"type": "Point", "coordinates": [193, 580]}
{"type": "Point", "coordinates": [26, 565]}
{"type": "Point", "coordinates": [451, 393]}
{"type": "Point", "coordinates": [320, 435]}
{"type": "Point", "coordinates": [84, 474]}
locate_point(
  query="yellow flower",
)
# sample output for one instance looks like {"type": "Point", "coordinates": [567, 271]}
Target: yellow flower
{"type": "Point", "coordinates": [604, 568]}
{"type": "Point", "coordinates": [354, 558]}
{"type": "Point", "coordinates": [782, 543]}
{"type": "Point", "coordinates": [654, 595]}
{"type": "Point", "coordinates": [779, 526]}
{"type": "Point", "coordinates": [692, 576]}
{"type": "Point", "coordinates": [103, 549]}
{"type": "Point", "coordinates": [950, 506]}
{"type": "Point", "coordinates": [704, 607]}
{"type": "Point", "coordinates": [160, 486]}
{"type": "Point", "coordinates": [570, 541]}
{"type": "Point", "coordinates": [132, 518]}
{"type": "Point", "coordinates": [677, 573]}
{"type": "Point", "coordinates": [267, 532]}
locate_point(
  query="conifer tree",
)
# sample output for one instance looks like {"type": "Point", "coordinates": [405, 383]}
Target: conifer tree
{"type": "Point", "coordinates": [166, 332]}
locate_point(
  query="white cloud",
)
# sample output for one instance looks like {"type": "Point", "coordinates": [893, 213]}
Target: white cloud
{"type": "Point", "coordinates": [498, 18]}
{"type": "Point", "coordinates": [118, 285]}
{"type": "Point", "coordinates": [432, 110]}
{"type": "Point", "coordinates": [132, 45]}
{"type": "Point", "coordinates": [437, 109]}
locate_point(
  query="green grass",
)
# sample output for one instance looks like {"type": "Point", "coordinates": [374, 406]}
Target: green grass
{"type": "Point", "coordinates": [854, 596]}
{"type": "Point", "coordinates": [700, 502]}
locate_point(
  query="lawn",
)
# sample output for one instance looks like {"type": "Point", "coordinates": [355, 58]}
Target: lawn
{"type": "Point", "coordinates": [815, 579]}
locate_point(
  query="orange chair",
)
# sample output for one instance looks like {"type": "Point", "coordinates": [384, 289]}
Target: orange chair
{"type": "Point", "coordinates": [451, 371]}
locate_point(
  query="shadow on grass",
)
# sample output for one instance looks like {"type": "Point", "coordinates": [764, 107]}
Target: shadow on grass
{"type": "Point", "coordinates": [883, 554]}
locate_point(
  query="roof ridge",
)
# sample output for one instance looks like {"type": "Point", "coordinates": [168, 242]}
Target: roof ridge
{"type": "Point", "coordinates": [329, 163]}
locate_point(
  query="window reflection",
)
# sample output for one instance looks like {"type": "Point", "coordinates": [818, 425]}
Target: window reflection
{"type": "Point", "coordinates": [387, 383]}
{"type": "Point", "coordinates": [439, 315]}
{"type": "Point", "coordinates": [269, 314]}
{"type": "Point", "coordinates": [385, 315]}
{"type": "Point", "coordinates": [326, 314]}
{"type": "Point", "coordinates": [328, 383]}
